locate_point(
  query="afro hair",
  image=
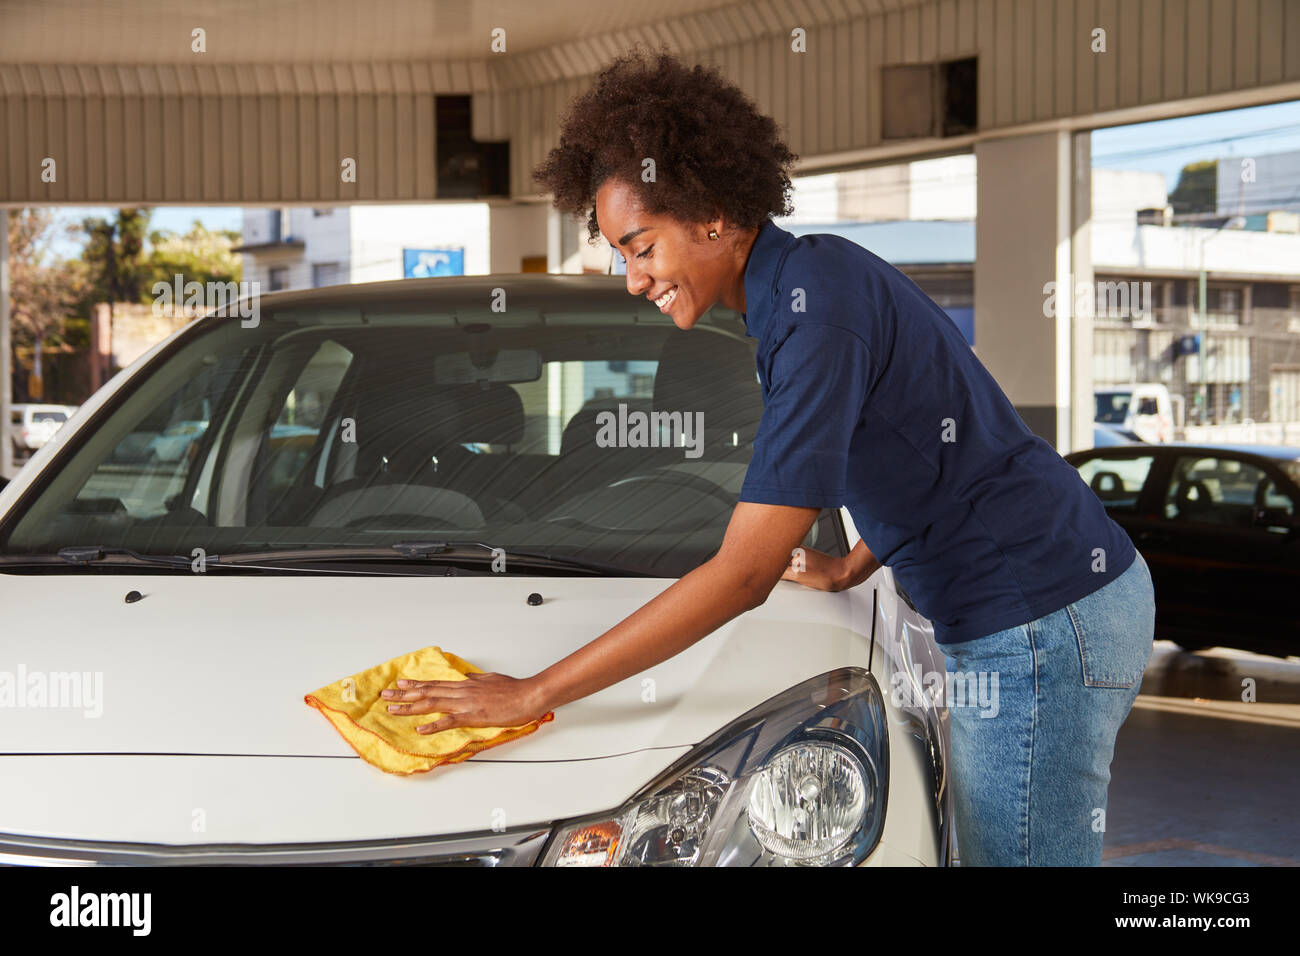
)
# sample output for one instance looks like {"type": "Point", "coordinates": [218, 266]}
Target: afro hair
{"type": "Point", "coordinates": [713, 151]}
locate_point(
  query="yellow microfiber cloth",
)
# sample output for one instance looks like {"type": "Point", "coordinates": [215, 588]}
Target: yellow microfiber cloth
{"type": "Point", "coordinates": [390, 741]}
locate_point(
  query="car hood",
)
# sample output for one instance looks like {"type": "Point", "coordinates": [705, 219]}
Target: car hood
{"type": "Point", "coordinates": [203, 678]}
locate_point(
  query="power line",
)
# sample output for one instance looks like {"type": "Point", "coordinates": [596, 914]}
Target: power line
{"type": "Point", "coordinates": [1195, 144]}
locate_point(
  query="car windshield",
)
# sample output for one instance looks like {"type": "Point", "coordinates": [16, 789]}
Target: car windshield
{"type": "Point", "coordinates": [1106, 436]}
{"type": "Point", "coordinates": [1112, 407]}
{"type": "Point", "coordinates": [589, 434]}
{"type": "Point", "coordinates": [49, 417]}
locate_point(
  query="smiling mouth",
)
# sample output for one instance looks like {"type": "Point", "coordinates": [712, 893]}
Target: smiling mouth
{"type": "Point", "coordinates": [667, 299]}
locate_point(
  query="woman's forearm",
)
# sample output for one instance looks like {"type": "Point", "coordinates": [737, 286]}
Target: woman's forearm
{"type": "Point", "coordinates": [693, 607]}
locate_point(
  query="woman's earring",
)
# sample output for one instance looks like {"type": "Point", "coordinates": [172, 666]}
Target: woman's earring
{"type": "Point", "coordinates": [713, 234]}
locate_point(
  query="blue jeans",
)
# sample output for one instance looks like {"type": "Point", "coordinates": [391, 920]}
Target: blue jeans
{"type": "Point", "coordinates": [1031, 750]}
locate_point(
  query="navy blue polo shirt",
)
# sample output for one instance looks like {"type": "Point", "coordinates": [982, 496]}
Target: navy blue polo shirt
{"type": "Point", "coordinates": [873, 401]}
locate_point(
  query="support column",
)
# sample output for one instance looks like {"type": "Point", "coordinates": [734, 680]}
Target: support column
{"type": "Point", "coordinates": [517, 237]}
{"type": "Point", "coordinates": [560, 245]}
{"type": "Point", "coordinates": [101, 344]}
{"type": "Point", "coordinates": [1083, 405]}
{"type": "Point", "coordinates": [1032, 239]}
{"type": "Point", "coordinates": [568, 248]}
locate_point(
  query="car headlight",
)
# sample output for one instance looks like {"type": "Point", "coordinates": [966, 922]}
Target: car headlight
{"type": "Point", "coordinates": [799, 780]}
{"type": "Point", "coordinates": [808, 802]}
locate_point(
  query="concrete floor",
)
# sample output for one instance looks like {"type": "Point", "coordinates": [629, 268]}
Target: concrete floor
{"type": "Point", "coordinates": [1201, 778]}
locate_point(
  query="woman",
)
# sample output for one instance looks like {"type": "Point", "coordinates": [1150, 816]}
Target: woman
{"type": "Point", "coordinates": [873, 401]}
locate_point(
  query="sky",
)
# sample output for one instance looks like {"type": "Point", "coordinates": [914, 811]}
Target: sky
{"type": "Point", "coordinates": [1164, 146]}
{"type": "Point", "coordinates": [1168, 145]}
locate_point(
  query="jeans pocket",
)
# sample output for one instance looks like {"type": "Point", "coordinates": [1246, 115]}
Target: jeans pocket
{"type": "Point", "coordinates": [1009, 642]}
{"type": "Point", "coordinates": [1115, 627]}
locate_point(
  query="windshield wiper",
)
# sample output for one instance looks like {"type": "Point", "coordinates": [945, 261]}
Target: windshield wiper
{"type": "Point", "coordinates": [81, 554]}
{"type": "Point", "coordinates": [425, 549]}
{"type": "Point", "coordinates": [433, 552]}
{"type": "Point", "coordinates": [85, 556]}
{"type": "Point", "coordinates": [430, 552]}
{"type": "Point", "coordinates": [94, 553]}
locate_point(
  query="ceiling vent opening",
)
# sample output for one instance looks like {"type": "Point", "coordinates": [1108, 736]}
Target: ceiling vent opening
{"type": "Point", "coordinates": [924, 100]}
{"type": "Point", "coordinates": [467, 169]}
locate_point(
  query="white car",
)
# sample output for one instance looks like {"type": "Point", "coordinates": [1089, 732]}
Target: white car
{"type": "Point", "coordinates": [177, 614]}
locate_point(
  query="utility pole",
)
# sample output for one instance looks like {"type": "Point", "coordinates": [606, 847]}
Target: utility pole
{"type": "Point", "coordinates": [6, 376]}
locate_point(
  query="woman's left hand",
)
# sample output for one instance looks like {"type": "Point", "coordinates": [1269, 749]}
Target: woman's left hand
{"type": "Point", "coordinates": [819, 570]}
{"type": "Point", "coordinates": [481, 700]}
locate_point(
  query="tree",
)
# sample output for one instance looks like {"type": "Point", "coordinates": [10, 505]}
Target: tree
{"type": "Point", "coordinates": [201, 255]}
{"type": "Point", "coordinates": [1197, 188]}
{"type": "Point", "coordinates": [114, 253]}
{"type": "Point", "coordinates": [40, 293]}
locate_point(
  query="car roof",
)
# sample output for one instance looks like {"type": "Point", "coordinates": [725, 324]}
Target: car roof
{"type": "Point", "coordinates": [571, 292]}
{"type": "Point", "coordinates": [1281, 452]}
{"type": "Point", "coordinates": [1276, 452]}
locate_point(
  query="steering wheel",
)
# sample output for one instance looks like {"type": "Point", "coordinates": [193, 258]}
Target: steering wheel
{"type": "Point", "coordinates": [678, 478]}
{"type": "Point", "coordinates": [683, 478]}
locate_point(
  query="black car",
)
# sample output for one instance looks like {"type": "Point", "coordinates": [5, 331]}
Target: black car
{"type": "Point", "coordinates": [1219, 526]}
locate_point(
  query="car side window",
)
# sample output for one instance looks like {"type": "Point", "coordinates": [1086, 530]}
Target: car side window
{"type": "Point", "coordinates": [1117, 480]}
{"type": "Point", "coordinates": [562, 408]}
{"type": "Point", "coordinates": [1275, 509]}
{"type": "Point", "coordinates": [297, 427]}
{"type": "Point", "coordinates": [143, 470]}
{"type": "Point", "coordinates": [1219, 490]}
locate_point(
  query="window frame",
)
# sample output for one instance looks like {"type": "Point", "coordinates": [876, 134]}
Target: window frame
{"type": "Point", "coordinates": [1141, 505]}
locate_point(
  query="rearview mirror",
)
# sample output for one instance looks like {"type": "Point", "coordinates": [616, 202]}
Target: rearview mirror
{"type": "Point", "coordinates": [488, 365]}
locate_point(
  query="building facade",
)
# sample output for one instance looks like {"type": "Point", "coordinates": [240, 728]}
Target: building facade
{"type": "Point", "coordinates": [1229, 356]}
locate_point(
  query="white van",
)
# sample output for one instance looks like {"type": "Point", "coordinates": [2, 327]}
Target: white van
{"type": "Point", "coordinates": [31, 426]}
{"type": "Point", "coordinates": [1142, 407]}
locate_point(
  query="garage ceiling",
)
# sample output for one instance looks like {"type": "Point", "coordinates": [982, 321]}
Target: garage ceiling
{"type": "Point", "coordinates": [288, 91]}
{"type": "Point", "coordinates": [313, 31]}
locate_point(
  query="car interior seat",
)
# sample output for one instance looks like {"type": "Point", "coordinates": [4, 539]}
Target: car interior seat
{"type": "Point", "coordinates": [1108, 486]}
{"type": "Point", "coordinates": [405, 449]}
{"type": "Point", "coordinates": [1193, 500]}
{"type": "Point", "coordinates": [704, 371]}
{"type": "Point", "coordinates": [490, 414]}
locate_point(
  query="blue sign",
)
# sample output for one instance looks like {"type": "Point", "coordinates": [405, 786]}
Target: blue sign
{"type": "Point", "coordinates": [419, 263]}
{"type": "Point", "coordinates": [964, 318]}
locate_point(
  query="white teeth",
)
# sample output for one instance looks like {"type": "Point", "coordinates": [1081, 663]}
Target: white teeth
{"type": "Point", "coordinates": [666, 298]}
